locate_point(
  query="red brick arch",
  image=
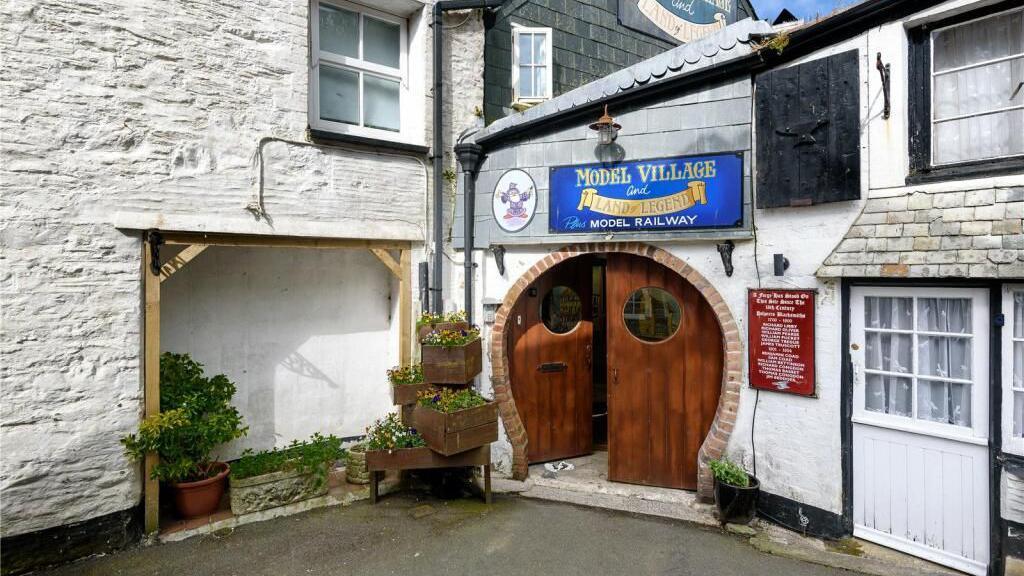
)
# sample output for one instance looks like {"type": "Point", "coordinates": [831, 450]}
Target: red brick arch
{"type": "Point", "coordinates": [732, 374]}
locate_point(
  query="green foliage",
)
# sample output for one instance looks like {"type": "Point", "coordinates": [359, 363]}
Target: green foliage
{"type": "Point", "coordinates": [447, 400]}
{"type": "Point", "coordinates": [428, 319]}
{"type": "Point", "coordinates": [778, 43]}
{"type": "Point", "coordinates": [727, 472]}
{"type": "Point", "coordinates": [451, 338]}
{"type": "Point", "coordinates": [313, 456]}
{"type": "Point", "coordinates": [389, 434]}
{"type": "Point", "coordinates": [406, 374]}
{"type": "Point", "coordinates": [195, 417]}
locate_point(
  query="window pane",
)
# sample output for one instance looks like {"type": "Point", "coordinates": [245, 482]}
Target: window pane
{"type": "Point", "coordinates": [382, 42]}
{"type": "Point", "coordinates": [978, 41]}
{"type": "Point", "coordinates": [944, 357]}
{"type": "Point", "coordinates": [1018, 314]}
{"type": "Point", "coordinates": [381, 103]}
{"type": "Point", "coordinates": [540, 81]}
{"type": "Point", "coordinates": [561, 310]}
{"type": "Point", "coordinates": [888, 395]}
{"type": "Point", "coordinates": [980, 89]}
{"type": "Point", "coordinates": [1018, 365]}
{"type": "Point", "coordinates": [339, 31]}
{"type": "Point", "coordinates": [525, 49]}
{"type": "Point", "coordinates": [339, 95]}
{"type": "Point", "coordinates": [944, 315]}
{"type": "Point", "coordinates": [888, 313]}
{"type": "Point", "coordinates": [980, 137]}
{"type": "Point", "coordinates": [946, 402]}
{"type": "Point", "coordinates": [526, 88]}
{"type": "Point", "coordinates": [540, 50]}
{"type": "Point", "coordinates": [1018, 414]}
{"type": "Point", "coordinates": [889, 352]}
{"type": "Point", "coordinates": [651, 314]}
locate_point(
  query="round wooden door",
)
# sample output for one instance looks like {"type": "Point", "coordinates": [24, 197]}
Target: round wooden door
{"type": "Point", "coordinates": [665, 362]}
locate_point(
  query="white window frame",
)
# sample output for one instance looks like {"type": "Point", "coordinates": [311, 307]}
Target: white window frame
{"type": "Point", "coordinates": [1010, 443]}
{"type": "Point", "coordinates": [977, 433]}
{"type": "Point", "coordinates": [405, 133]}
{"type": "Point", "coordinates": [932, 121]}
{"type": "Point", "coordinates": [516, 31]}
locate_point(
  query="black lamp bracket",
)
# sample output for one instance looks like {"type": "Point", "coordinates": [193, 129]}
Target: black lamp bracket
{"type": "Point", "coordinates": [883, 71]}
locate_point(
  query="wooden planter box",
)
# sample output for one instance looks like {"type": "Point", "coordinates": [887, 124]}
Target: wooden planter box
{"type": "Point", "coordinates": [422, 331]}
{"type": "Point", "coordinates": [405, 394]}
{"type": "Point", "coordinates": [455, 365]}
{"type": "Point", "coordinates": [271, 490]}
{"type": "Point", "coordinates": [457, 432]}
{"type": "Point", "coordinates": [377, 461]}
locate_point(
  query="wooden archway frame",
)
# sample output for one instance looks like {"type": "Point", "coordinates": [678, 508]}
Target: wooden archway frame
{"type": "Point", "coordinates": [714, 444]}
{"type": "Point", "coordinates": [195, 244]}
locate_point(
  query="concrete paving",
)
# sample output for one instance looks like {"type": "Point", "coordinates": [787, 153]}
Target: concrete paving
{"type": "Point", "coordinates": [411, 533]}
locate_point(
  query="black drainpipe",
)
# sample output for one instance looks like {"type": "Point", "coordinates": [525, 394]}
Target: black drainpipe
{"type": "Point", "coordinates": [469, 155]}
{"type": "Point", "coordinates": [439, 9]}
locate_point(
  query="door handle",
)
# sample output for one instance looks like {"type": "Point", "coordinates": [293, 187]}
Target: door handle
{"type": "Point", "coordinates": [589, 355]}
{"type": "Point", "coordinates": [615, 376]}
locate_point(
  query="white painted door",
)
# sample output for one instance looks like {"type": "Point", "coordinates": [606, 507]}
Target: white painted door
{"type": "Point", "coordinates": [920, 422]}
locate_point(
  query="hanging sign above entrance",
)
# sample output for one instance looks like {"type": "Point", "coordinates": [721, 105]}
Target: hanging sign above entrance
{"type": "Point", "coordinates": [680, 20]}
{"type": "Point", "coordinates": [687, 192]}
{"type": "Point", "coordinates": [781, 335]}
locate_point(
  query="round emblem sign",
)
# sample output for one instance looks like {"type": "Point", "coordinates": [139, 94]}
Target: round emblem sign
{"type": "Point", "coordinates": [515, 200]}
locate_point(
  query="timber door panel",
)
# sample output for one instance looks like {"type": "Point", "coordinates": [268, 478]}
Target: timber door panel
{"type": "Point", "coordinates": [662, 390]}
{"type": "Point", "coordinates": [550, 371]}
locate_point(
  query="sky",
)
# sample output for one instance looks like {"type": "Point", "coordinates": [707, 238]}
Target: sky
{"type": "Point", "coordinates": [769, 9]}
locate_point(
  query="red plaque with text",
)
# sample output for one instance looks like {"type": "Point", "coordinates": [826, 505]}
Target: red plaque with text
{"type": "Point", "coordinates": [781, 339]}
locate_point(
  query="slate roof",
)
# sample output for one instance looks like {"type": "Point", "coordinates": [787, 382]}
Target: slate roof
{"type": "Point", "coordinates": [731, 42]}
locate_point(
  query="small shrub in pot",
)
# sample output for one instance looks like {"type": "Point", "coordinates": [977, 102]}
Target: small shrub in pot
{"type": "Point", "coordinates": [195, 417]}
{"type": "Point", "coordinates": [735, 492]}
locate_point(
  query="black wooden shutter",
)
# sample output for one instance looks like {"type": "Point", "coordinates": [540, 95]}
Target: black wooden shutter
{"type": "Point", "coordinates": [808, 133]}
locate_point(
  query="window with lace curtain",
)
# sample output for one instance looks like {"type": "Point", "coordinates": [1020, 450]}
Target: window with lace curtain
{"type": "Point", "coordinates": [918, 358]}
{"type": "Point", "coordinates": [1013, 369]}
{"type": "Point", "coordinates": [967, 94]}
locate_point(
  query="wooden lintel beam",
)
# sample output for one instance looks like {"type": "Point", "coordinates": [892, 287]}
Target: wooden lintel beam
{"type": "Point", "coordinates": [388, 260]}
{"type": "Point", "coordinates": [244, 240]}
{"type": "Point", "coordinates": [179, 260]}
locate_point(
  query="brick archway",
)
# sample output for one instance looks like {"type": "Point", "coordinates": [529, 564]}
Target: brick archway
{"type": "Point", "coordinates": [725, 417]}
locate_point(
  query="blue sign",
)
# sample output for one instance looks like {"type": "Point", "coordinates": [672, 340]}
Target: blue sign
{"type": "Point", "coordinates": [680, 193]}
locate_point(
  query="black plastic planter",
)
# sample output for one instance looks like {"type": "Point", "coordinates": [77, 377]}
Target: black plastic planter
{"type": "Point", "coordinates": [736, 505]}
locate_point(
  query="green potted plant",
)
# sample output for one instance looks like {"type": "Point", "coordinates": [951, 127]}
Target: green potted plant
{"type": "Point", "coordinates": [454, 421]}
{"type": "Point", "coordinates": [270, 478]}
{"type": "Point", "coordinates": [406, 383]}
{"type": "Point", "coordinates": [451, 357]}
{"type": "Point", "coordinates": [428, 323]}
{"type": "Point", "coordinates": [195, 417]}
{"type": "Point", "coordinates": [735, 492]}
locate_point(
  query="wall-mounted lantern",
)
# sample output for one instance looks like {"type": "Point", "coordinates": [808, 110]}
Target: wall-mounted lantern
{"type": "Point", "coordinates": [606, 128]}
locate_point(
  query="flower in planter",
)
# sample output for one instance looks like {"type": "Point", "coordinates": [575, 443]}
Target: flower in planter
{"type": "Point", "coordinates": [451, 338]}
{"type": "Point", "coordinates": [448, 401]}
{"type": "Point", "coordinates": [406, 374]}
{"type": "Point", "coordinates": [388, 433]}
{"type": "Point", "coordinates": [428, 319]}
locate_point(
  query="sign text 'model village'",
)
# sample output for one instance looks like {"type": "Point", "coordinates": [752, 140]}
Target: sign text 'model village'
{"type": "Point", "coordinates": [670, 193]}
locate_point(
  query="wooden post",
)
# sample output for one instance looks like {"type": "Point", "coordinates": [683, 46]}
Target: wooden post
{"type": "Point", "coordinates": [151, 371]}
{"type": "Point", "coordinates": [405, 308]}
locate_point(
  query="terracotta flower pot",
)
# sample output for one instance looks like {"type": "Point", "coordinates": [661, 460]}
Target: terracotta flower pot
{"type": "Point", "coordinates": [201, 497]}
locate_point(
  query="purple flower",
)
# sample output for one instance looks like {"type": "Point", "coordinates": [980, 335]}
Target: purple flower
{"type": "Point", "coordinates": [436, 398]}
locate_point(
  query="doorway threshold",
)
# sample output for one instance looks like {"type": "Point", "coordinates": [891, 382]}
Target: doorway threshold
{"type": "Point", "coordinates": [587, 484]}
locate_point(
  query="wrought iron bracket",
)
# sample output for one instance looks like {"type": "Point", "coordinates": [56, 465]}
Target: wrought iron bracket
{"type": "Point", "coordinates": [499, 258]}
{"type": "Point", "coordinates": [883, 71]}
{"type": "Point", "coordinates": [155, 240]}
{"type": "Point", "coordinates": [725, 251]}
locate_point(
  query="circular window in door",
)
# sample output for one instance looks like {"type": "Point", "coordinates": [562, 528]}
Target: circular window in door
{"type": "Point", "coordinates": [561, 309]}
{"type": "Point", "coordinates": [652, 314]}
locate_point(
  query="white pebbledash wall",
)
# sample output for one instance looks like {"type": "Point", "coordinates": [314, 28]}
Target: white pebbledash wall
{"type": "Point", "coordinates": [120, 116]}
{"type": "Point", "coordinates": [797, 440]}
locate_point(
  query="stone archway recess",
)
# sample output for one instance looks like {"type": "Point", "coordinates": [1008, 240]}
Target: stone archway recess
{"type": "Point", "coordinates": [725, 417]}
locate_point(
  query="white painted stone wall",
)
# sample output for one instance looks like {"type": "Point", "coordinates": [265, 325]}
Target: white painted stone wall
{"type": "Point", "coordinates": [124, 115]}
